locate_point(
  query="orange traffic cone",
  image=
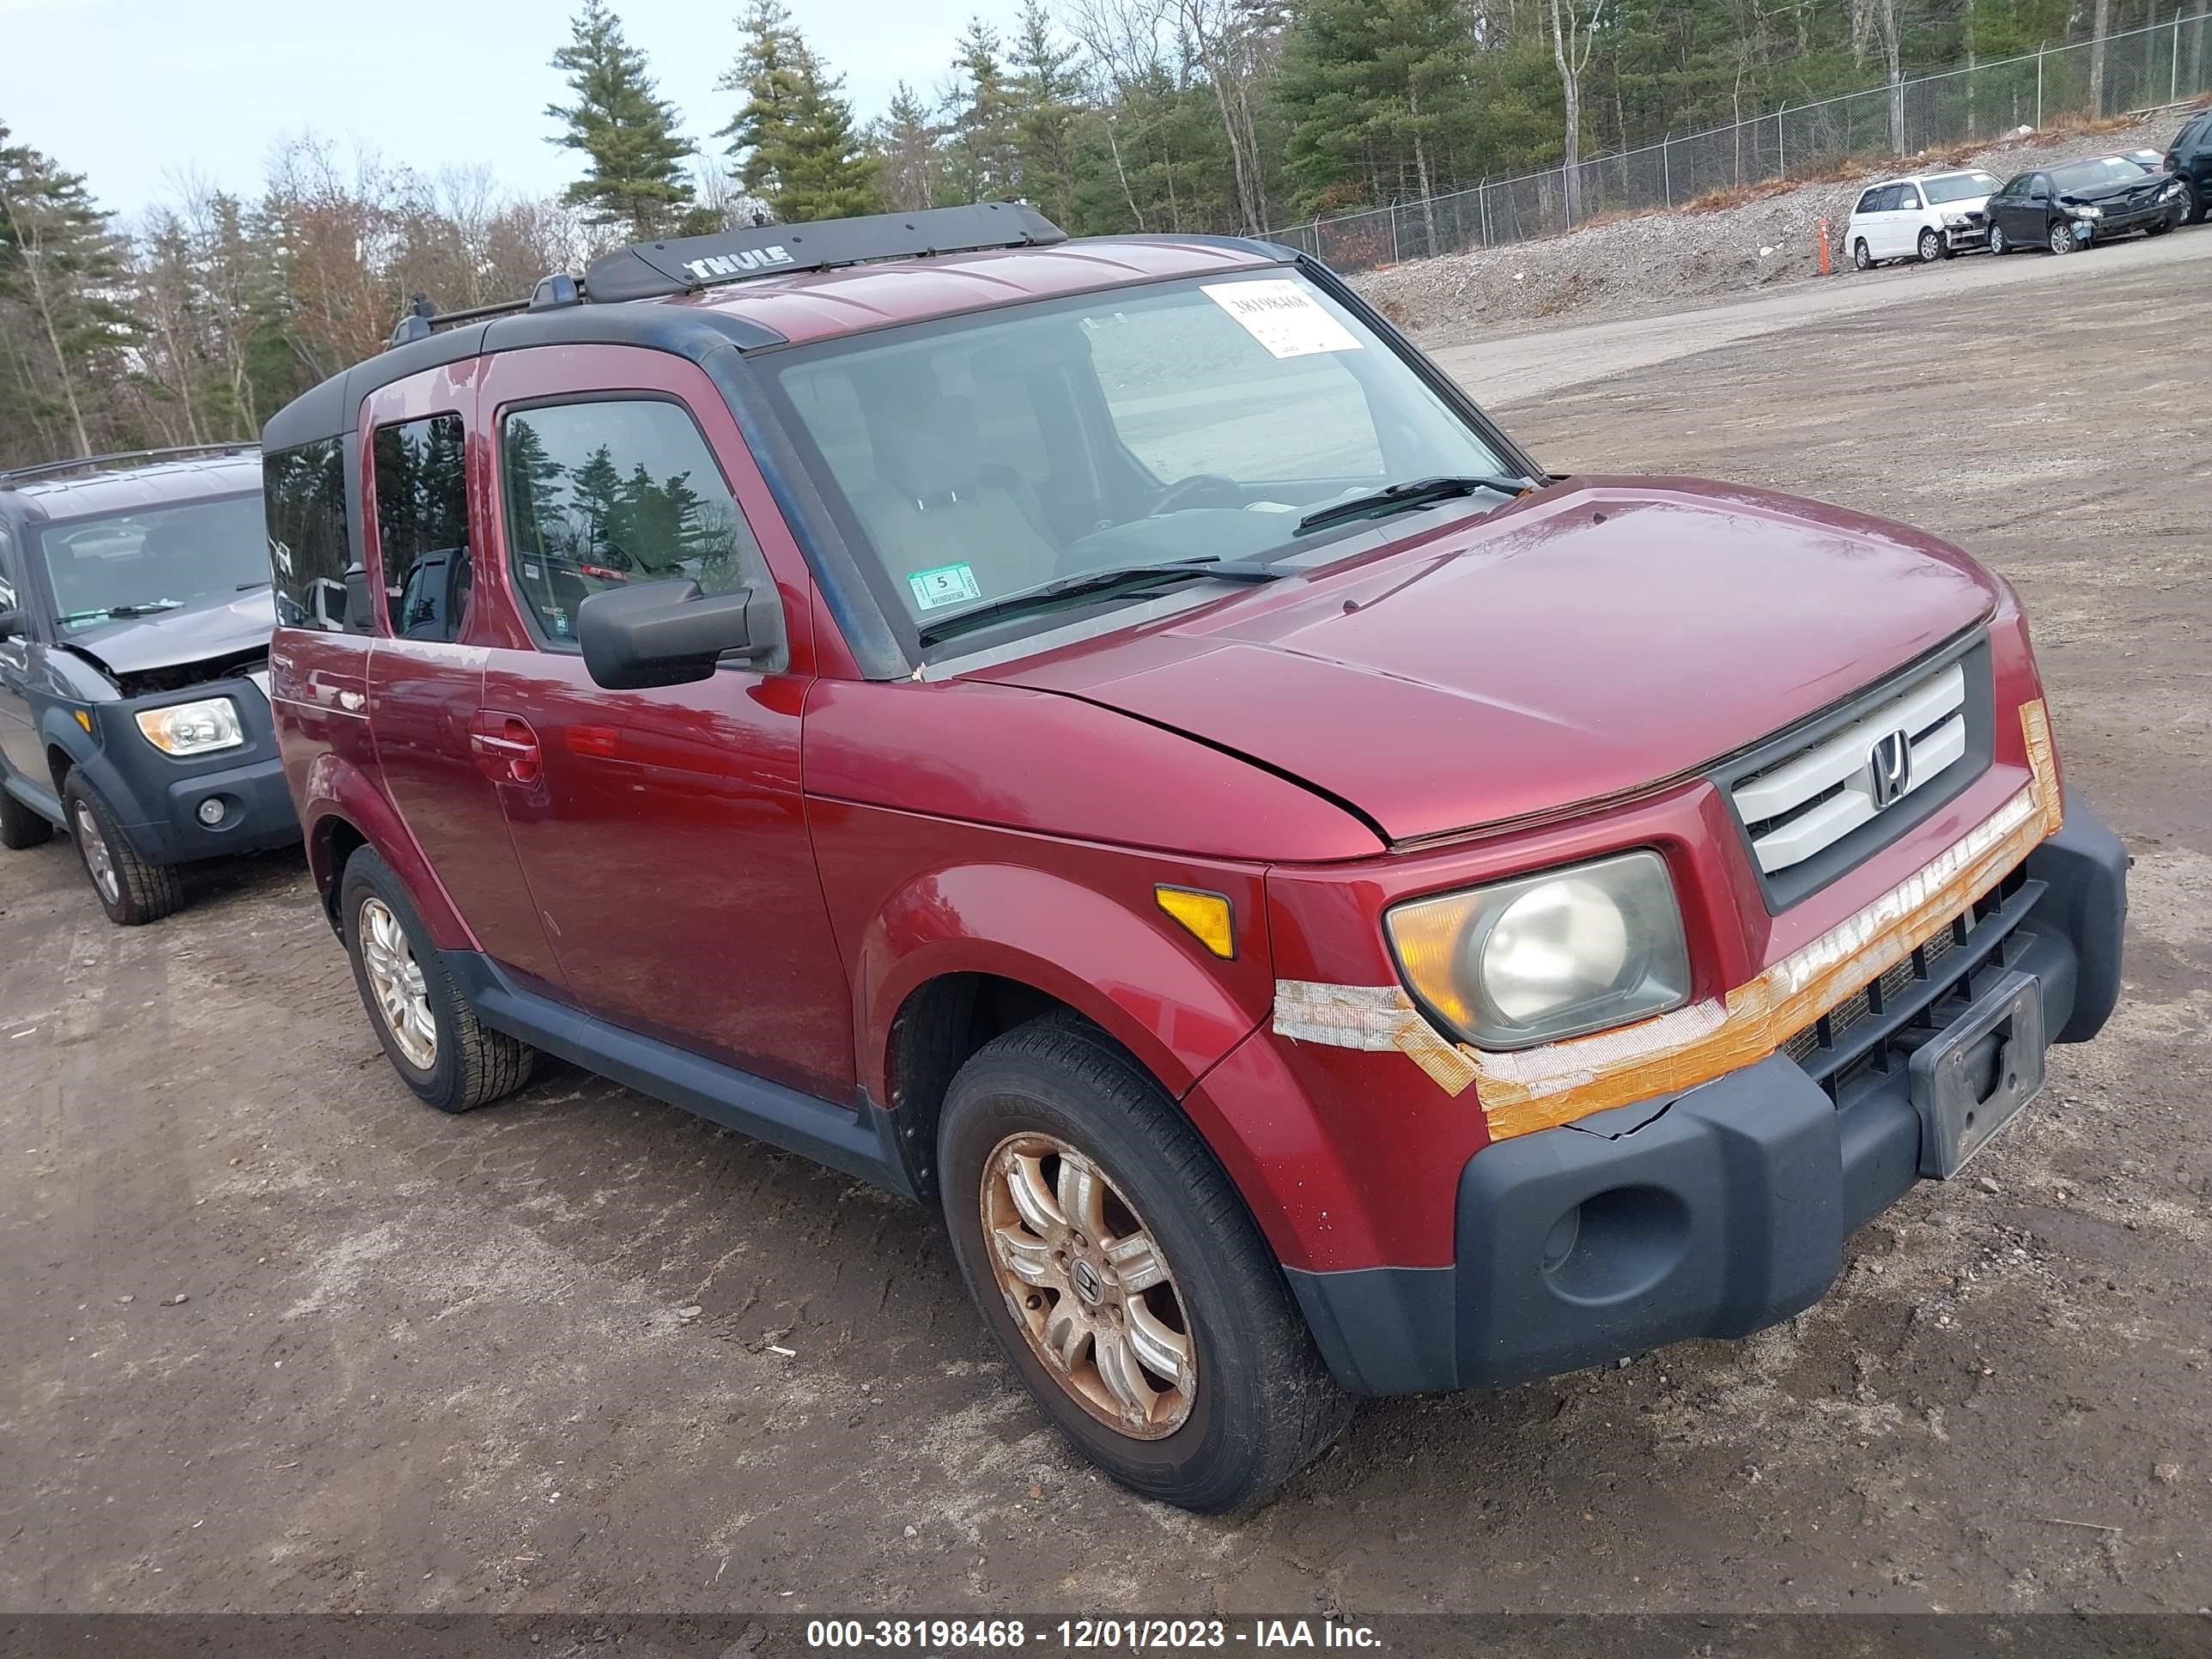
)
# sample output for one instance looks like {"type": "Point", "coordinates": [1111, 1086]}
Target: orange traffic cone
{"type": "Point", "coordinates": [1824, 247]}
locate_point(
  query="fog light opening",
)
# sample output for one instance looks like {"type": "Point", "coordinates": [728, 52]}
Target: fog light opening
{"type": "Point", "coordinates": [213, 811]}
{"type": "Point", "coordinates": [1616, 1245]}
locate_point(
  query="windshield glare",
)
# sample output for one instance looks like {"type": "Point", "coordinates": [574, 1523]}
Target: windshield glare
{"type": "Point", "coordinates": [2087, 175]}
{"type": "Point", "coordinates": [1192, 420]}
{"type": "Point", "coordinates": [205, 553]}
{"type": "Point", "coordinates": [1960, 186]}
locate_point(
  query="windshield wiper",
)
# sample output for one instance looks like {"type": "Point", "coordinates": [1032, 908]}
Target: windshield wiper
{"type": "Point", "coordinates": [1128, 578]}
{"type": "Point", "coordinates": [144, 608]}
{"type": "Point", "coordinates": [1415, 492]}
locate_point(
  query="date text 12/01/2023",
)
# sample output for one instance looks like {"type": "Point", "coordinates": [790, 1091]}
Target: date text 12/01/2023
{"type": "Point", "coordinates": [1089, 1635]}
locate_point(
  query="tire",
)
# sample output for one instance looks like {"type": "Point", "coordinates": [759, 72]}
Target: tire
{"type": "Point", "coordinates": [1860, 257]}
{"type": "Point", "coordinates": [132, 889]}
{"type": "Point", "coordinates": [2162, 226]}
{"type": "Point", "coordinates": [1998, 246]}
{"type": "Point", "coordinates": [2061, 238]}
{"type": "Point", "coordinates": [1251, 1403]}
{"type": "Point", "coordinates": [19, 826]}
{"type": "Point", "coordinates": [2192, 204]}
{"type": "Point", "coordinates": [1932, 246]}
{"type": "Point", "coordinates": [459, 1064]}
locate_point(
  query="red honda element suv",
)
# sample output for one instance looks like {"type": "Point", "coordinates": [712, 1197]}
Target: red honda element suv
{"type": "Point", "coordinates": [1105, 737]}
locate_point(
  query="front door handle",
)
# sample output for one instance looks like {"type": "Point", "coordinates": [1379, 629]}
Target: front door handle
{"type": "Point", "coordinates": [506, 748]}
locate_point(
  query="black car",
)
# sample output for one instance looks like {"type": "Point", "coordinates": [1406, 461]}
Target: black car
{"type": "Point", "coordinates": [135, 619]}
{"type": "Point", "coordinates": [2077, 203]}
{"type": "Point", "coordinates": [2188, 158]}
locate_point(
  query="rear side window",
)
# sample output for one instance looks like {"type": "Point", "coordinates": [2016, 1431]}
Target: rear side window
{"type": "Point", "coordinates": [613, 492]}
{"type": "Point", "coordinates": [1870, 202]}
{"type": "Point", "coordinates": [303, 493]}
{"type": "Point", "coordinates": [423, 527]}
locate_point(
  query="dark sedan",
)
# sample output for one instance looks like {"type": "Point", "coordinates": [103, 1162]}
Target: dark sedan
{"type": "Point", "coordinates": [2078, 203]}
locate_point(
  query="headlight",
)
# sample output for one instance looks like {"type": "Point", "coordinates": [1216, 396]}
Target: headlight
{"type": "Point", "coordinates": [1955, 221]}
{"type": "Point", "coordinates": [194, 728]}
{"type": "Point", "coordinates": [1548, 955]}
{"type": "Point", "coordinates": [2171, 192]}
{"type": "Point", "coordinates": [2087, 212]}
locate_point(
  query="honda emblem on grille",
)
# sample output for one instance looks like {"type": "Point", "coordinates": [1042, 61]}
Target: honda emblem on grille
{"type": "Point", "coordinates": [1889, 768]}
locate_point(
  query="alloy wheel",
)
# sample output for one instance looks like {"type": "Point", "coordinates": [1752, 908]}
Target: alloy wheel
{"type": "Point", "coordinates": [2062, 238]}
{"type": "Point", "coordinates": [1997, 242]}
{"type": "Point", "coordinates": [1931, 247]}
{"type": "Point", "coordinates": [395, 978]}
{"type": "Point", "coordinates": [1089, 1285]}
{"type": "Point", "coordinates": [1861, 257]}
{"type": "Point", "coordinates": [97, 859]}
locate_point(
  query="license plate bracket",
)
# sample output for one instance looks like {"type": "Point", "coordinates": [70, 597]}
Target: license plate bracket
{"type": "Point", "coordinates": [1973, 1077]}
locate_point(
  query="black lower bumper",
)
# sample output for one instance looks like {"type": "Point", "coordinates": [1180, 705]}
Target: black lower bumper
{"type": "Point", "coordinates": [160, 811]}
{"type": "Point", "coordinates": [1725, 1209]}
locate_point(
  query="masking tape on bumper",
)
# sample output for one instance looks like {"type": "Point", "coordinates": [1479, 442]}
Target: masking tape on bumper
{"type": "Point", "coordinates": [1558, 1082]}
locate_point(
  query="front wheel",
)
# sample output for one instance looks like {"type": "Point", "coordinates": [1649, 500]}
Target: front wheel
{"type": "Point", "coordinates": [2192, 204]}
{"type": "Point", "coordinates": [428, 1031]}
{"type": "Point", "coordinates": [1122, 1276]}
{"type": "Point", "coordinates": [133, 890]}
{"type": "Point", "coordinates": [1931, 247]}
{"type": "Point", "coordinates": [1998, 246]}
{"type": "Point", "coordinates": [1860, 256]}
{"type": "Point", "coordinates": [2062, 238]}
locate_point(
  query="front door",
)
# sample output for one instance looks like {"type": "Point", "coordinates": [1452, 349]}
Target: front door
{"type": "Point", "coordinates": [20, 751]}
{"type": "Point", "coordinates": [663, 831]}
{"type": "Point", "coordinates": [423, 525]}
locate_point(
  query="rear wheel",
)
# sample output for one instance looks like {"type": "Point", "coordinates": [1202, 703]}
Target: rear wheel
{"type": "Point", "coordinates": [428, 1031]}
{"type": "Point", "coordinates": [1122, 1276]}
{"type": "Point", "coordinates": [133, 890]}
{"type": "Point", "coordinates": [1931, 246]}
{"type": "Point", "coordinates": [20, 827]}
{"type": "Point", "coordinates": [1860, 256]}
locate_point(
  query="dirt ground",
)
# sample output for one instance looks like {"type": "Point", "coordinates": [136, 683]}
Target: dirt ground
{"type": "Point", "coordinates": [275, 1337]}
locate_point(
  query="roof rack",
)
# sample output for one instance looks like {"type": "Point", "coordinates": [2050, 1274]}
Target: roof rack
{"type": "Point", "coordinates": [656, 270]}
{"type": "Point", "coordinates": [94, 463]}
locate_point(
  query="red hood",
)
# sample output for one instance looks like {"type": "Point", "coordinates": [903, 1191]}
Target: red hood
{"type": "Point", "coordinates": [1583, 643]}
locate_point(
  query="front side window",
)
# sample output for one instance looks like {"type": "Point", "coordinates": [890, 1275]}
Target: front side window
{"type": "Point", "coordinates": [611, 492]}
{"type": "Point", "coordinates": [978, 458]}
{"type": "Point", "coordinates": [126, 565]}
{"type": "Point", "coordinates": [303, 491]}
{"type": "Point", "coordinates": [423, 527]}
{"type": "Point", "coordinates": [1908, 197]}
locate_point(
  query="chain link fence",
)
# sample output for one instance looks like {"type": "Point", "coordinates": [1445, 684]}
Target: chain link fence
{"type": "Point", "coordinates": [2144, 68]}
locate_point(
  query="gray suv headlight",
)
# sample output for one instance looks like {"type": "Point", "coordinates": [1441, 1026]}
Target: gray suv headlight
{"type": "Point", "coordinates": [1548, 955]}
{"type": "Point", "coordinates": [192, 728]}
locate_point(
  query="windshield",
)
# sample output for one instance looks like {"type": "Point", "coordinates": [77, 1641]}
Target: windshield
{"type": "Point", "coordinates": [1960, 186]}
{"type": "Point", "coordinates": [1187, 421]}
{"type": "Point", "coordinates": [2087, 175]}
{"type": "Point", "coordinates": [161, 559]}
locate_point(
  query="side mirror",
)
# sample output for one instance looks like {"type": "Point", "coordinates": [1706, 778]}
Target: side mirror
{"type": "Point", "coordinates": [670, 633]}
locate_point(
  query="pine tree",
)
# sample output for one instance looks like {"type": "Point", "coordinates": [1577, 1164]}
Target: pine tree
{"type": "Point", "coordinates": [906, 141]}
{"type": "Point", "coordinates": [982, 158]}
{"type": "Point", "coordinates": [594, 502]}
{"type": "Point", "coordinates": [793, 136]}
{"type": "Point", "coordinates": [626, 131]}
{"type": "Point", "coordinates": [61, 263]}
{"type": "Point", "coordinates": [1042, 95]}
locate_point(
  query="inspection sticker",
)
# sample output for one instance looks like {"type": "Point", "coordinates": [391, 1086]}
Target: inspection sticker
{"type": "Point", "coordinates": [949, 584]}
{"type": "Point", "coordinates": [1283, 316]}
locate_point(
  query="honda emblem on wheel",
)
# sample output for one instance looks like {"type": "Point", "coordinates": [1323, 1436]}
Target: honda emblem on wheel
{"type": "Point", "coordinates": [1889, 765]}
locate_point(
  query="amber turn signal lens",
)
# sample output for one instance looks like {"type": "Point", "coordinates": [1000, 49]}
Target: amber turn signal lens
{"type": "Point", "coordinates": [1206, 915]}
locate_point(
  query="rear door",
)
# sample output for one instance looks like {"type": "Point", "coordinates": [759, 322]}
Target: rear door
{"type": "Point", "coordinates": [663, 831]}
{"type": "Point", "coordinates": [421, 510]}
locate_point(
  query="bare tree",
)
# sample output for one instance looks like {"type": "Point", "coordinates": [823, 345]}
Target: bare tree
{"type": "Point", "coordinates": [1873, 19]}
{"type": "Point", "coordinates": [1233, 47]}
{"type": "Point", "coordinates": [2100, 25]}
{"type": "Point", "coordinates": [1574, 37]}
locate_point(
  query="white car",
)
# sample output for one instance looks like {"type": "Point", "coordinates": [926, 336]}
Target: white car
{"type": "Point", "coordinates": [1928, 216]}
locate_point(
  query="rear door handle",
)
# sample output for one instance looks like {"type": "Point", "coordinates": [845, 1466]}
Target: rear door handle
{"type": "Point", "coordinates": [506, 748]}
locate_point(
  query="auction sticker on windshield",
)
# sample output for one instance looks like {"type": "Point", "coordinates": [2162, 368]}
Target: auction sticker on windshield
{"type": "Point", "coordinates": [949, 584]}
{"type": "Point", "coordinates": [1282, 316]}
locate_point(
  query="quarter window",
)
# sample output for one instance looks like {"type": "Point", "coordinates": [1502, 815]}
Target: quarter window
{"type": "Point", "coordinates": [611, 492]}
{"type": "Point", "coordinates": [1871, 202]}
{"type": "Point", "coordinates": [423, 527]}
{"type": "Point", "coordinates": [303, 492]}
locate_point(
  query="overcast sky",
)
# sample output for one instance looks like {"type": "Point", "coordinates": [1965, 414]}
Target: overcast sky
{"type": "Point", "coordinates": [133, 92]}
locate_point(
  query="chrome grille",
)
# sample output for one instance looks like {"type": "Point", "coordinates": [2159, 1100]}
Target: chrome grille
{"type": "Point", "coordinates": [1810, 800]}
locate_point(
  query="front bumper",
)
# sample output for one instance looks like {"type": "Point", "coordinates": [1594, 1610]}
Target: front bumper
{"type": "Point", "coordinates": [1724, 1209]}
{"type": "Point", "coordinates": [156, 797]}
{"type": "Point", "coordinates": [1965, 238]}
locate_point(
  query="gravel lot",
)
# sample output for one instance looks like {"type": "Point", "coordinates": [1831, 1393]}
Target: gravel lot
{"type": "Point", "coordinates": [278, 1338]}
{"type": "Point", "coordinates": [1652, 261]}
